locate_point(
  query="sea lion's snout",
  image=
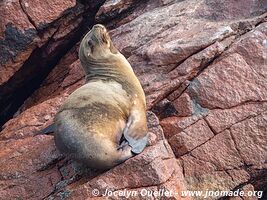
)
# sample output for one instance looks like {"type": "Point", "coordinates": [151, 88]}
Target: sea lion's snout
{"type": "Point", "coordinates": [99, 33]}
{"type": "Point", "coordinates": [99, 26]}
{"type": "Point", "coordinates": [96, 44]}
{"type": "Point", "coordinates": [99, 29]}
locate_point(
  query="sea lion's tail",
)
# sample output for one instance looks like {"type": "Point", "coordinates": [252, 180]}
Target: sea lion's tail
{"type": "Point", "coordinates": [49, 130]}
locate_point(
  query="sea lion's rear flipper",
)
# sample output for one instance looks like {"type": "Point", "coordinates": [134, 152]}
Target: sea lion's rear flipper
{"type": "Point", "coordinates": [137, 145]}
{"type": "Point", "coordinates": [135, 133]}
{"type": "Point", "coordinates": [47, 131]}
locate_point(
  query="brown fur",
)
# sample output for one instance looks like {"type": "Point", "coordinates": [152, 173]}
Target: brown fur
{"type": "Point", "coordinates": [91, 123]}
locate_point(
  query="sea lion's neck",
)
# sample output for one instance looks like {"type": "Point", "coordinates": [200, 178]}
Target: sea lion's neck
{"type": "Point", "coordinates": [111, 68]}
{"type": "Point", "coordinates": [116, 69]}
{"type": "Point", "coordinates": [101, 71]}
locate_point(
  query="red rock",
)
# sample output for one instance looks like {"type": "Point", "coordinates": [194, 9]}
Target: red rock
{"type": "Point", "coordinates": [64, 74]}
{"type": "Point", "coordinates": [154, 128]}
{"type": "Point", "coordinates": [249, 193]}
{"type": "Point", "coordinates": [163, 48]}
{"type": "Point", "coordinates": [112, 9]}
{"type": "Point", "coordinates": [234, 92]}
{"type": "Point", "coordinates": [32, 120]}
{"type": "Point", "coordinates": [174, 125]}
{"type": "Point", "coordinates": [225, 85]}
{"type": "Point", "coordinates": [177, 76]}
{"type": "Point", "coordinates": [23, 174]}
{"type": "Point", "coordinates": [184, 105]}
{"type": "Point", "coordinates": [19, 37]}
{"type": "Point", "coordinates": [15, 36]}
{"type": "Point", "coordinates": [28, 52]}
{"type": "Point", "coordinates": [190, 138]}
{"type": "Point", "coordinates": [44, 12]}
{"type": "Point", "coordinates": [218, 10]}
{"type": "Point", "coordinates": [220, 119]}
{"type": "Point", "coordinates": [252, 47]}
{"type": "Point", "coordinates": [220, 151]}
{"type": "Point", "coordinates": [251, 139]}
{"type": "Point", "coordinates": [204, 61]}
{"type": "Point", "coordinates": [75, 74]}
{"type": "Point", "coordinates": [232, 81]}
{"type": "Point", "coordinates": [217, 163]}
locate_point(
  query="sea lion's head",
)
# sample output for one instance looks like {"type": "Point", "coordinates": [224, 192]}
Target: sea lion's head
{"type": "Point", "coordinates": [96, 45]}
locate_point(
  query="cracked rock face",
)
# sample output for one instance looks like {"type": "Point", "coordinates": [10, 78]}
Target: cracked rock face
{"type": "Point", "coordinates": [33, 38]}
{"type": "Point", "coordinates": [202, 64]}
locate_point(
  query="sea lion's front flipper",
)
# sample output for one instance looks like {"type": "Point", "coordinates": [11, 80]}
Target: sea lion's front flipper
{"type": "Point", "coordinates": [135, 132]}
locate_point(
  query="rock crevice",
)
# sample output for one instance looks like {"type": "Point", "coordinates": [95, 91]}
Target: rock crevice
{"type": "Point", "coordinates": [203, 67]}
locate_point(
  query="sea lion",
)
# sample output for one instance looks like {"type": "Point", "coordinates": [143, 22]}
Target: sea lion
{"type": "Point", "coordinates": [103, 123]}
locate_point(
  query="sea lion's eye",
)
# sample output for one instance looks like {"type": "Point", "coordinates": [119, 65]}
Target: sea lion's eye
{"type": "Point", "coordinates": [90, 44]}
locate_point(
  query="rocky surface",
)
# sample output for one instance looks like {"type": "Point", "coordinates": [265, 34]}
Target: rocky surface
{"type": "Point", "coordinates": [34, 35]}
{"type": "Point", "coordinates": [203, 66]}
